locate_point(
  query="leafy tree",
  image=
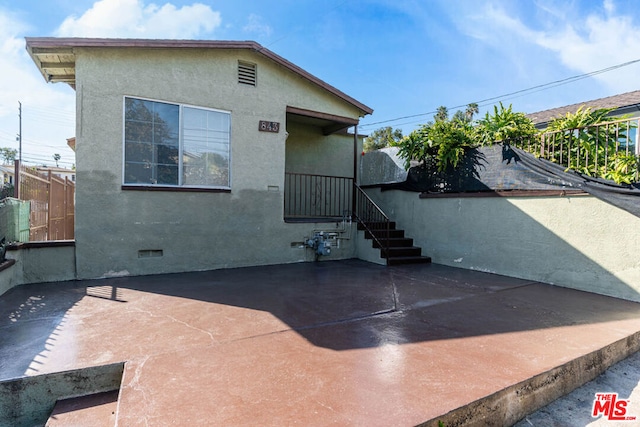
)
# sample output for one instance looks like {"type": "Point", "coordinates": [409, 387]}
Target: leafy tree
{"type": "Point", "coordinates": [503, 125]}
{"type": "Point", "coordinates": [381, 138]}
{"type": "Point", "coordinates": [581, 118]}
{"type": "Point", "coordinates": [472, 110]}
{"type": "Point", "coordinates": [624, 168]}
{"type": "Point", "coordinates": [459, 116]}
{"type": "Point", "coordinates": [586, 148]}
{"type": "Point", "coordinates": [8, 154]}
{"type": "Point", "coordinates": [575, 139]}
{"type": "Point", "coordinates": [466, 115]}
{"type": "Point", "coordinates": [56, 157]}
{"type": "Point", "coordinates": [6, 191]}
{"type": "Point", "coordinates": [442, 114]}
{"type": "Point", "coordinates": [443, 142]}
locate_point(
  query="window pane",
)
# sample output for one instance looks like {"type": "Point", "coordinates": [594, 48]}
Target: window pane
{"type": "Point", "coordinates": [167, 155]}
{"type": "Point", "coordinates": [137, 173]}
{"type": "Point", "coordinates": [205, 148]}
{"type": "Point", "coordinates": [167, 175]}
{"type": "Point", "coordinates": [151, 142]}
{"type": "Point", "coordinates": [152, 145]}
{"type": "Point", "coordinates": [137, 131]}
{"type": "Point", "coordinates": [138, 152]}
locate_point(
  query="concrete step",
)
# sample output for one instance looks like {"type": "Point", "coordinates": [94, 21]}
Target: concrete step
{"type": "Point", "coordinates": [377, 225]}
{"type": "Point", "coordinates": [394, 242]}
{"type": "Point", "coordinates": [408, 260]}
{"type": "Point", "coordinates": [96, 410]}
{"type": "Point", "coordinates": [409, 251]}
{"type": "Point", "coordinates": [383, 233]}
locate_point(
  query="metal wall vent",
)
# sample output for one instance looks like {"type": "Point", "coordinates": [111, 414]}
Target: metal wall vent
{"type": "Point", "coordinates": [247, 73]}
{"type": "Point", "coordinates": [150, 253]}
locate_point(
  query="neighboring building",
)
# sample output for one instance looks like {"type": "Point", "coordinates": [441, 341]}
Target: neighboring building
{"type": "Point", "coordinates": [59, 172]}
{"type": "Point", "coordinates": [182, 148]}
{"type": "Point", "coordinates": [625, 103]}
{"type": "Point", "coordinates": [71, 142]}
{"type": "Point", "coordinates": [7, 174]}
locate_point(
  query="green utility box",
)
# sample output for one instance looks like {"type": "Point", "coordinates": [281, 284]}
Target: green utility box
{"type": "Point", "coordinates": [14, 219]}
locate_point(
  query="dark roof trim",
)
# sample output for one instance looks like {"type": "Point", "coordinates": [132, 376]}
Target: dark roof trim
{"type": "Point", "coordinates": [34, 44]}
{"type": "Point", "coordinates": [624, 103]}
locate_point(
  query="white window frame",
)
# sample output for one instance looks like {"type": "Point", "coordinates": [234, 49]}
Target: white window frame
{"type": "Point", "coordinates": [181, 108]}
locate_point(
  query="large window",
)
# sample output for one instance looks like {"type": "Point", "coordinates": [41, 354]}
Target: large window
{"type": "Point", "coordinates": [175, 145]}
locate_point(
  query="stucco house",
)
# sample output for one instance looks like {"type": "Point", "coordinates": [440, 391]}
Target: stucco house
{"type": "Point", "coordinates": [196, 155]}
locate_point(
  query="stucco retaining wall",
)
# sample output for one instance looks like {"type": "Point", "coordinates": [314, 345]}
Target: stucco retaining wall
{"type": "Point", "coordinates": [578, 242]}
{"type": "Point", "coordinates": [38, 264]}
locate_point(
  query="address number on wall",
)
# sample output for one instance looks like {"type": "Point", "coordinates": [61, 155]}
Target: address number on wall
{"type": "Point", "coordinates": [266, 126]}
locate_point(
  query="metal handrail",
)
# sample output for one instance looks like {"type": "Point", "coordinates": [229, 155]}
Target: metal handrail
{"type": "Point", "coordinates": [372, 218]}
{"type": "Point", "coordinates": [316, 196]}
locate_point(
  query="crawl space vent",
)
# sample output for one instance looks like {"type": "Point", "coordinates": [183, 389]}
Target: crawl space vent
{"type": "Point", "coordinates": [247, 73]}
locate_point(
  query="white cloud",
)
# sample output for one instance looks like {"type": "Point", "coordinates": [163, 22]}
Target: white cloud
{"type": "Point", "coordinates": [12, 51]}
{"type": "Point", "coordinates": [583, 41]}
{"type": "Point", "coordinates": [132, 18]}
{"type": "Point", "coordinates": [256, 25]}
{"type": "Point", "coordinates": [48, 110]}
{"type": "Point", "coordinates": [599, 41]}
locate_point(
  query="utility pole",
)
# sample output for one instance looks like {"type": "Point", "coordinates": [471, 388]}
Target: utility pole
{"type": "Point", "coordinates": [18, 164]}
{"type": "Point", "coordinates": [20, 131]}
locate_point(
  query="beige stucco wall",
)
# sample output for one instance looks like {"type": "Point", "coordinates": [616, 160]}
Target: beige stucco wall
{"type": "Point", "coordinates": [579, 242]}
{"type": "Point", "coordinates": [308, 151]}
{"type": "Point", "coordinates": [195, 231]}
{"type": "Point", "coordinates": [38, 265]}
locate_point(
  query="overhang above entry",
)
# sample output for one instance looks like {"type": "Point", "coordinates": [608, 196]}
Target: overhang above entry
{"type": "Point", "coordinates": [329, 123]}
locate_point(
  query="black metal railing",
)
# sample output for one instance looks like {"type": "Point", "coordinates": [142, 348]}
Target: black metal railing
{"type": "Point", "coordinates": [317, 196]}
{"type": "Point", "coordinates": [607, 150]}
{"type": "Point", "coordinates": [374, 221]}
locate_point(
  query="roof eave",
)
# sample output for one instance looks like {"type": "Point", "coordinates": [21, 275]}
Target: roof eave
{"type": "Point", "coordinates": [53, 44]}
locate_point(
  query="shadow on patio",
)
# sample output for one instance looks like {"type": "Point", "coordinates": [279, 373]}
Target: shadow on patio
{"type": "Point", "coordinates": [379, 305]}
{"type": "Point", "coordinates": [319, 336]}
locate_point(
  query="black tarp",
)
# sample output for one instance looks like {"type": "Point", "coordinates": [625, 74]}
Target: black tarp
{"type": "Point", "coordinates": [503, 168]}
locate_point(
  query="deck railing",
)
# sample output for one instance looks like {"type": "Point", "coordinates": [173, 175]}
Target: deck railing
{"type": "Point", "coordinates": [608, 150]}
{"type": "Point", "coordinates": [308, 196]}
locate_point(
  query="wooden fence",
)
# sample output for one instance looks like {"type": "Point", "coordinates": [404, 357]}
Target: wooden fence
{"type": "Point", "coordinates": [52, 203]}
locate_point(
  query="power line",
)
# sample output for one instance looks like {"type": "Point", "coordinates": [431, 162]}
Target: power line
{"type": "Point", "coordinates": [521, 92]}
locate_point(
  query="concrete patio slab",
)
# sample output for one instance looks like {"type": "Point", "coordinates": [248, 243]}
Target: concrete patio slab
{"type": "Point", "coordinates": [330, 343]}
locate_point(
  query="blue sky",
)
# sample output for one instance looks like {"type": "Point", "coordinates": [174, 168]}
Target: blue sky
{"type": "Point", "coordinates": [400, 57]}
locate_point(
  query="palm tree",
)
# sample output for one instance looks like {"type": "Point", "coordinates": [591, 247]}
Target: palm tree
{"type": "Point", "coordinates": [472, 109]}
{"type": "Point", "coordinates": [56, 157]}
{"type": "Point", "coordinates": [442, 114]}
